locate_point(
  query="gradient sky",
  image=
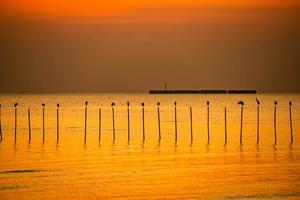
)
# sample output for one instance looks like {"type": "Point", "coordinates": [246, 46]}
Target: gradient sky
{"type": "Point", "coordinates": [132, 46]}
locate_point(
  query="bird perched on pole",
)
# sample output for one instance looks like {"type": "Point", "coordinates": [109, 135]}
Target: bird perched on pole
{"type": "Point", "coordinates": [241, 103]}
{"type": "Point", "coordinates": [257, 101]}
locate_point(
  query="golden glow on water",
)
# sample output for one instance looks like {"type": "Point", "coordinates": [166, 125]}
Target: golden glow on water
{"type": "Point", "coordinates": [72, 169]}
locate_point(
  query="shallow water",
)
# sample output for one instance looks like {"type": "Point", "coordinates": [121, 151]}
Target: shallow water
{"type": "Point", "coordinates": [149, 169]}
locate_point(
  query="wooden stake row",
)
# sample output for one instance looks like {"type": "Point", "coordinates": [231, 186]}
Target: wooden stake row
{"type": "Point", "coordinates": [241, 103]}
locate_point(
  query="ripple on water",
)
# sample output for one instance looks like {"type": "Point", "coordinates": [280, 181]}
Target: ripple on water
{"type": "Point", "coordinates": [13, 187]}
{"type": "Point", "coordinates": [264, 196]}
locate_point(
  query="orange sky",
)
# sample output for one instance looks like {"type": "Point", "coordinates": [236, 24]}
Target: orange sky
{"type": "Point", "coordinates": [74, 8]}
{"type": "Point", "coordinates": [191, 44]}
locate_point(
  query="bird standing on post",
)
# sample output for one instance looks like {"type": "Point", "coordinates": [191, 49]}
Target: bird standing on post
{"type": "Point", "coordinates": [241, 103]}
{"type": "Point", "coordinates": [191, 124]}
{"type": "Point", "coordinates": [275, 116]}
{"type": "Point", "coordinates": [208, 136]}
{"type": "Point", "coordinates": [175, 115]}
{"type": "Point", "coordinates": [128, 122]}
{"type": "Point", "coordinates": [29, 126]}
{"type": "Point", "coordinates": [85, 120]}
{"type": "Point", "coordinates": [113, 120]}
{"type": "Point", "coordinates": [16, 120]}
{"type": "Point", "coordinates": [143, 118]}
{"type": "Point", "coordinates": [158, 121]}
{"type": "Point", "coordinates": [257, 133]}
{"type": "Point", "coordinates": [100, 122]}
{"type": "Point", "coordinates": [43, 121]}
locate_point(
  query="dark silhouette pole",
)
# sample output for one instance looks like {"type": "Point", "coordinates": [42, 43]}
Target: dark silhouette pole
{"type": "Point", "coordinates": [208, 136]}
{"type": "Point", "coordinates": [57, 123]}
{"type": "Point", "coordinates": [241, 130]}
{"type": "Point", "coordinates": [16, 120]}
{"type": "Point", "coordinates": [113, 120]}
{"type": "Point", "coordinates": [128, 122]}
{"type": "Point", "coordinates": [143, 116]}
{"type": "Point", "coordinates": [85, 120]}
{"type": "Point", "coordinates": [43, 121]}
{"type": "Point", "coordinates": [175, 115]}
{"type": "Point", "coordinates": [29, 127]}
{"type": "Point", "coordinates": [225, 122]}
{"type": "Point", "coordinates": [158, 121]}
{"type": "Point", "coordinates": [191, 119]}
{"type": "Point", "coordinates": [100, 119]}
{"type": "Point", "coordinates": [275, 116]}
{"type": "Point", "coordinates": [1, 138]}
{"type": "Point", "coordinates": [291, 122]}
{"type": "Point", "coordinates": [257, 133]}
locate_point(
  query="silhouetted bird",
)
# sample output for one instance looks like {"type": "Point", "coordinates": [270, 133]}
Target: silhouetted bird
{"type": "Point", "coordinates": [128, 103]}
{"type": "Point", "coordinates": [241, 103]}
{"type": "Point", "coordinates": [0, 105]}
{"type": "Point", "coordinates": [207, 103]}
{"type": "Point", "coordinates": [43, 104]}
{"type": "Point", "coordinates": [143, 104]}
{"type": "Point", "coordinates": [290, 103]}
{"type": "Point", "coordinates": [257, 101]}
{"type": "Point", "coordinates": [113, 104]}
{"type": "Point", "coordinates": [275, 102]}
{"type": "Point", "coordinates": [175, 103]}
{"type": "Point", "coordinates": [158, 104]}
{"type": "Point", "coordinates": [57, 105]}
{"type": "Point", "coordinates": [86, 103]}
{"type": "Point", "coordinates": [16, 104]}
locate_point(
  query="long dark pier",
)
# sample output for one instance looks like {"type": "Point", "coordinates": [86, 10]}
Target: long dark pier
{"type": "Point", "coordinates": [202, 91]}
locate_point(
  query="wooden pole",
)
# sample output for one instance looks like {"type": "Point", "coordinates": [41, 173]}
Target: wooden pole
{"type": "Point", "coordinates": [143, 116]}
{"type": "Point", "coordinates": [100, 125]}
{"type": "Point", "coordinates": [191, 120]}
{"type": "Point", "coordinates": [241, 131]}
{"type": "Point", "coordinates": [275, 115]}
{"type": "Point", "coordinates": [43, 123]}
{"type": "Point", "coordinates": [225, 121]}
{"type": "Point", "coordinates": [208, 136]}
{"type": "Point", "coordinates": [29, 127]}
{"type": "Point", "coordinates": [158, 121]}
{"type": "Point", "coordinates": [113, 121]}
{"type": "Point", "coordinates": [175, 120]}
{"type": "Point", "coordinates": [241, 103]}
{"type": "Point", "coordinates": [16, 121]}
{"type": "Point", "coordinates": [57, 124]}
{"type": "Point", "coordinates": [1, 137]}
{"type": "Point", "coordinates": [257, 134]}
{"type": "Point", "coordinates": [291, 122]}
{"type": "Point", "coordinates": [85, 120]}
{"type": "Point", "coordinates": [128, 122]}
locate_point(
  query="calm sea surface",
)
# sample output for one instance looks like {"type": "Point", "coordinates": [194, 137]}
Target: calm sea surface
{"type": "Point", "coordinates": [72, 169]}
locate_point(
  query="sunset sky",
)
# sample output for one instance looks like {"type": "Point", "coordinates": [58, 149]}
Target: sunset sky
{"type": "Point", "coordinates": [135, 45]}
